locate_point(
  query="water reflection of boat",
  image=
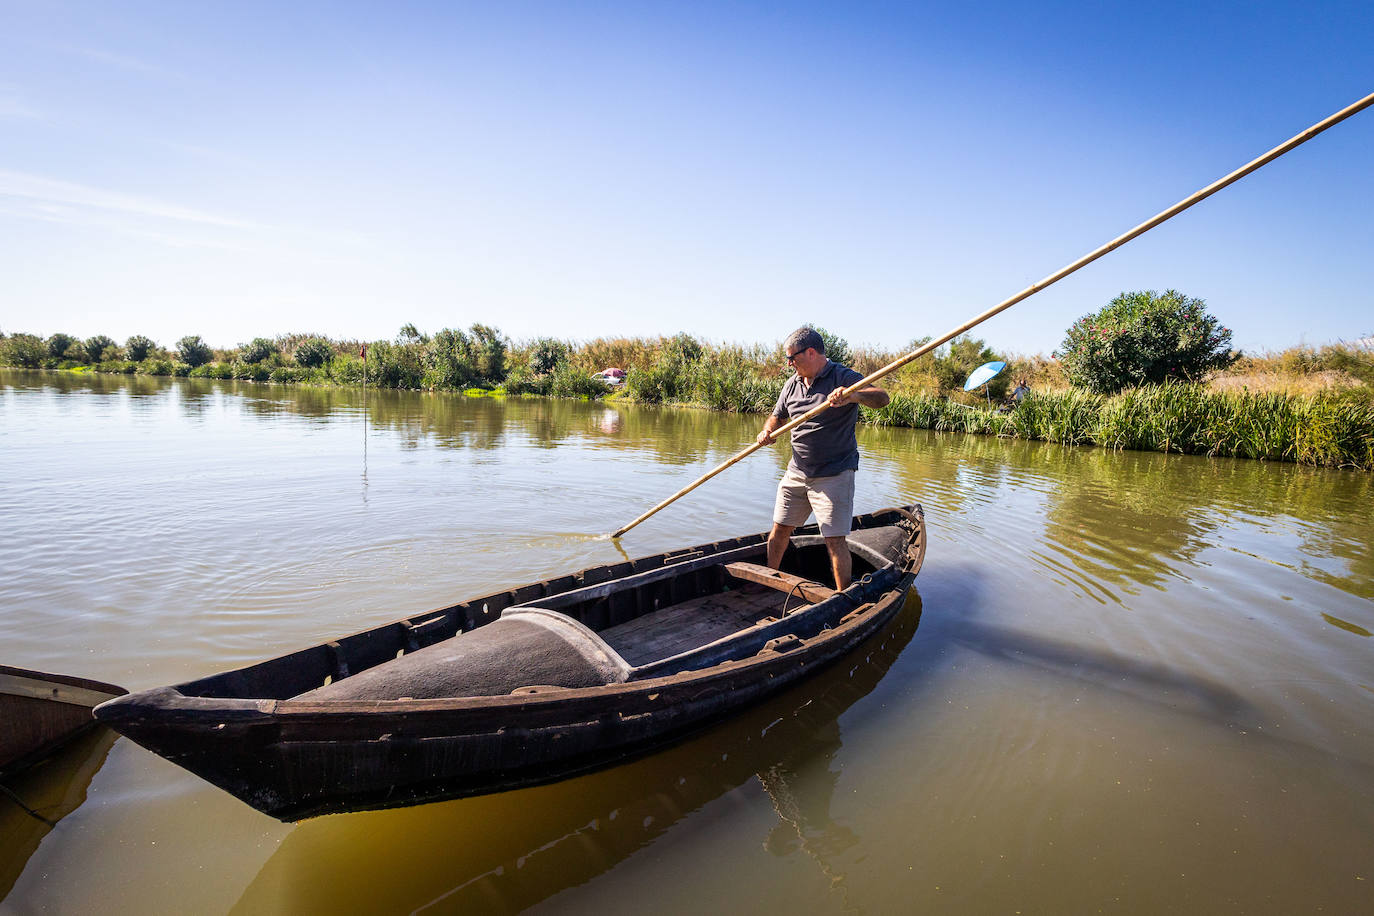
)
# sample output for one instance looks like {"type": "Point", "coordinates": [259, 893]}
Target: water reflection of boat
{"type": "Point", "coordinates": [33, 801]}
{"type": "Point", "coordinates": [41, 712]}
{"type": "Point", "coordinates": [506, 853]}
{"type": "Point", "coordinates": [530, 685]}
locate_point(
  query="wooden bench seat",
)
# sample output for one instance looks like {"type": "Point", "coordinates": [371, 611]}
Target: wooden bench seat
{"type": "Point", "coordinates": [777, 579]}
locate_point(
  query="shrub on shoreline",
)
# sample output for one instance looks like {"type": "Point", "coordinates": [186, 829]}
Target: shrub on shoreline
{"type": "Point", "coordinates": [138, 348]}
{"type": "Point", "coordinates": [1145, 338]}
{"type": "Point", "coordinates": [313, 352]}
{"type": "Point", "coordinates": [24, 351]}
{"type": "Point", "coordinates": [193, 351]}
{"type": "Point", "coordinates": [1290, 418]}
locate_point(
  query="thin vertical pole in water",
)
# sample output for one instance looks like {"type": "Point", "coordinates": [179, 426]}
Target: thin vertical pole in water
{"type": "Point", "coordinates": [364, 354]}
{"type": "Point", "coordinates": [1031, 290]}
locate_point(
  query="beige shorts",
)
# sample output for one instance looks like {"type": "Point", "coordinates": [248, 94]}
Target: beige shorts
{"type": "Point", "coordinates": [832, 499]}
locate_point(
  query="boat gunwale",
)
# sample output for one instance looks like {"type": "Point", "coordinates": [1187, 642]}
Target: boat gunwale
{"type": "Point", "coordinates": [810, 646]}
{"type": "Point", "coordinates": [171, 702]}
{"type": "Point", "coordinates": [60, 680]}
{"type": "Point", "coordinates": [403, 752]}
{"type": "Point", "coordinates": [49, 711]}
{"type": "Point", "coordinates": [303, 732]}
{"type": "Point", "coordinates": [307, 721]}
{"type": "Point", "coordinates": [191, 709]}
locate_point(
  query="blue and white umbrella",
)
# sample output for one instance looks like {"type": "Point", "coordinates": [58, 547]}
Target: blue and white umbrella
{"type": "Point", "coordinates": [983, 374]}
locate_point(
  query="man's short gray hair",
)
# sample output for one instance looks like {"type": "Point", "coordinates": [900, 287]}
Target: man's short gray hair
{"type": "Point", "coordinates": [802, 338]}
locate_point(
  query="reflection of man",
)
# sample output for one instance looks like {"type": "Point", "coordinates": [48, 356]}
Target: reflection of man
{"type": "Point", "coordinates": [825, 453]}
{"type": "Point", "coordinates": [801, 787]}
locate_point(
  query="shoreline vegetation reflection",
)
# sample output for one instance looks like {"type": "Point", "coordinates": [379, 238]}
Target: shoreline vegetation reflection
{"type": "Point", "coordinates": [1306, 405]}
{"type": "Point", "coordinates": [1107, 501]}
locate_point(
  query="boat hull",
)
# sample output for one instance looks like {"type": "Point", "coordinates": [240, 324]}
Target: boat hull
{"type": "Point", "coordinates": [296, 758]}
{"type": "Point", "coordinates": [40, 712]}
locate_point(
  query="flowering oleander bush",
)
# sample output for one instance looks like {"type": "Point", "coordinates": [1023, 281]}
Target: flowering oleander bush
{"type": "Point", "coordinates": [1144, 338]}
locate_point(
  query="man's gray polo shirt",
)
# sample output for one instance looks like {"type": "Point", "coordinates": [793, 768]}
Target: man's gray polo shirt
{"type": "Point", "coordinates": [825, 445]}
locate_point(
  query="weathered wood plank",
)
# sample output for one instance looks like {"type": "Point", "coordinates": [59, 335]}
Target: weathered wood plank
{"type": "Point", "coordinates": [670, 630]}
{"type": "Point", "coordinates": [40, 711]}
{"type": "Point", "coordinates": [777, 579]}
{"type": "Point", "coordinates": [53, 691]}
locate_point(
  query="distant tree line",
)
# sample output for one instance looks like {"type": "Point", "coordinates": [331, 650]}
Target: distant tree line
{"type": "Point", "coordinates": [449, 359]}
{"type": "Point", "coordinates": [677, 369]}
{"type": "Point", "coordinates": [1127, 376]}
{"type": "Point", "coordinates": [1138, 339]}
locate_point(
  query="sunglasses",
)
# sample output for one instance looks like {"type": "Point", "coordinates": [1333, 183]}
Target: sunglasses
{"type": "Point", "coordinates": [792, 357]}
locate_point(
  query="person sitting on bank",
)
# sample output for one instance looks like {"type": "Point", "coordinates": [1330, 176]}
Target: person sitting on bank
{"type": "Point", "coordinates": [1019, 392]}
{"type": "Point", "coordinates": [825, 451]}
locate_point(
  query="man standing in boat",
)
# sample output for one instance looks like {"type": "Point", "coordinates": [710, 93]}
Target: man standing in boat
{"type": "Point", "coordinates": [825, 452]}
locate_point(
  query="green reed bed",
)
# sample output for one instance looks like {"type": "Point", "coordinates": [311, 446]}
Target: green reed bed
{"type": "Point", "coordinates": [1331, 430]}
{"type": "Point", "coordinates": [1331, 427]}
{"type": "Point", "coordinates": [719, 381]}
{"type": "Point", "coordinates": [564, 381]}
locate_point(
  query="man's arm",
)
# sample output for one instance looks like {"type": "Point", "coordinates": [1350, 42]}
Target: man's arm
{"type": "Point", "coordinates": [776, 419]}
{"type": "Point", "coordinates": [770, 426]}
{"type": "Point", "coordinates": [872, 396]}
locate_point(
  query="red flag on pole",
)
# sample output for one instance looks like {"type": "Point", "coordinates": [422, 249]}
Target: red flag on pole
{"type": "Point", "coordinates": [363, 351]}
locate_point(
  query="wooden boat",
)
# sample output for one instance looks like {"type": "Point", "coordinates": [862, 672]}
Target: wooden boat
{"type": "Point", "coordinates": [529, 685]}
{"type": "Point", "coordinates": [41, 712]}
{"type": "Point", "coordinates": [587, 828]}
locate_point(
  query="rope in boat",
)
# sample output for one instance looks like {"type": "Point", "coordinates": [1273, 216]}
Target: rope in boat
{"type": "Point", "coordinates": [865, 580]}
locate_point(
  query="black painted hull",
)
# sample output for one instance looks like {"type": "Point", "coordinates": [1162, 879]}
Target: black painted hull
{"type": "Point", "coordinates": [295, 758]}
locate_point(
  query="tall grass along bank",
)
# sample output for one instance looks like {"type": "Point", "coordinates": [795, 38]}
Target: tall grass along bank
{"type": "Point", "coordinates": [1328, 430]}
{"type": "Point", "coordinates": [1311, 406]}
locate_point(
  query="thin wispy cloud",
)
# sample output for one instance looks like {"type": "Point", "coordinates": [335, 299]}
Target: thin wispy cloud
{"type": "Point", "coordinates": [50, 200]}
{"type": "Point", "coordinates": [121, 61]}
{"type": "Point", "coordinates": [13, 105]}
{"type": "Point", "coordinates": [114, 223]}
{"type": "Point", "coordinates": [53, 191]}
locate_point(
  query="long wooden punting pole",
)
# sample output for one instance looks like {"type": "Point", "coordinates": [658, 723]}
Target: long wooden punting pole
{"type": "Point", "coordinates": [1031, 290]}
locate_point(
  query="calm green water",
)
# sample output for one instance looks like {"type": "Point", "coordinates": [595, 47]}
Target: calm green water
{"type": "Point", "coordinates": [1139, 683]}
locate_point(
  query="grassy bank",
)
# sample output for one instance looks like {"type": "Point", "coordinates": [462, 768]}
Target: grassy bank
{"type": "Point", "coordinates": [1324, 429]}
{"type": "Point", "coordinates": [1308, 405]}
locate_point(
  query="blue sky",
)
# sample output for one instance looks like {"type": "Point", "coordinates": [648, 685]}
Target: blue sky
{"type": "Point", "coordinates": [730, 170]}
